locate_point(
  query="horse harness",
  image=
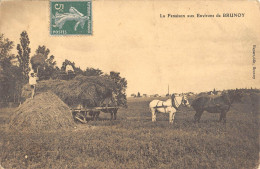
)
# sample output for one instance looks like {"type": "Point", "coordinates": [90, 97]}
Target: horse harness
{"type": "Point", "coordinates": [183, 101]}
{"type": "Point", "coordinates": [177, 104]}
{"type": "Point", "coordinates": [162, 106]}
{"type": "Point", "coordinates": [213, 101]}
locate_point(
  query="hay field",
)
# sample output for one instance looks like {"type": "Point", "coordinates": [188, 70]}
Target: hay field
{"type": "Point", "coordinates": [133, 141]}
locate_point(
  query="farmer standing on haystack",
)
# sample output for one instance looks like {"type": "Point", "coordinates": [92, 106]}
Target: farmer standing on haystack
{"type": "Point", "coordinates": [33, 81]}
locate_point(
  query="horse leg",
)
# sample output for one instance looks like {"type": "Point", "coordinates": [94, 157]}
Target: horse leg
{"type": "Point", "coordinates": [153, 114]}
{"type": "Point", "coordinates": [171, 117]}
{"type": "Point", "coordinates": [112, 115]}
{"type": "Point", "coordinates": [115, 112]}
{"type": "Point", "coordinates": [220, 117]}
{"type": "Point", "coordinates": [224, 117]}
{"type": "Point", "coordinates": [92, 114]}
{"type": "Point", "coordinates": [97, 115]}
{"type": "Point", "coordinates": [197, 116]}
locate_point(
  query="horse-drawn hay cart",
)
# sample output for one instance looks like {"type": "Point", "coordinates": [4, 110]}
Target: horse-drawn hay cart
{"type": "Point", "coordinates": [83, 115]}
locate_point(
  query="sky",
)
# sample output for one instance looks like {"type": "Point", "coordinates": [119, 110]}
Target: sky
{"type": "Point", "coordinates": [188, 54]}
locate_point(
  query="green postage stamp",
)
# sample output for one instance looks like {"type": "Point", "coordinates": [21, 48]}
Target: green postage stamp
{"type": "Point", "coordinates": [68, 17]}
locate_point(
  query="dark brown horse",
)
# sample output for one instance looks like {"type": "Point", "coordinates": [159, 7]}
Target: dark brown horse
{"type": "Point", "coordinates": [218, 104]}
{"type": "Point", "coordinates": [112, 111]}
{"type": "Point", "coordinates": [109, 105]}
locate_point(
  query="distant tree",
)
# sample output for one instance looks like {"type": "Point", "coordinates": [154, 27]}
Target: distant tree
{"type": "Point", "coordinates": [93, 72]}
{"type": "Point", "coordinates": [214, 91]}
{"type": "Point", "coordinates": [51, 69]}
{"type": "Point", "coordinates": [5, 63]}
{"type": "Point", "coordinates": [23, 54]}
{"type": "Point", "coordinates": [6, 46]}
{"type": "Point", "coordinates": [10, 75]}
{"type": "Point", "coordinates": [38, 62]}
{"type": "Point", "coordinates": [67, 62]}
{"type": "Point", "coordinates": [120, 90]}
{"type": "Point", "coordinates": [77, 70]}
{"type": "Point", "coordinates": [44, 65]}
{"type": "Point", "coordinates": [43, 50]}
{"type": "Point", "coordinates": [133, 95]}
{"type": "Point", "coordinates": [138, 94]}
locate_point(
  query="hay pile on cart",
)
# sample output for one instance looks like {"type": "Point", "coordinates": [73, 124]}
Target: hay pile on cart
{"type": "Point", "coordinates": [87, 91]}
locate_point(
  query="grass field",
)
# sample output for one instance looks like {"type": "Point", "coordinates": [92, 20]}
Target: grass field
{"type": "Point", "coordinates": [133, 141]}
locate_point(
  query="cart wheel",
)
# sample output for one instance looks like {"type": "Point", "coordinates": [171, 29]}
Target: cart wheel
{"type": "Point", "coordinates": [75, 117]}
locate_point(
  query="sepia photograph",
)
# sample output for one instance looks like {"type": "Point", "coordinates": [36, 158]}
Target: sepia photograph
{"type": "Point", "coordinates": [134, 84]}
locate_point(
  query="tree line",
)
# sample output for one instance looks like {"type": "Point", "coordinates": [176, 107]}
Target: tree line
{"type": "Point", "coordinates": [15, 69]}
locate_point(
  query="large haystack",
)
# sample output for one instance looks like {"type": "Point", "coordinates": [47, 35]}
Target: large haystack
{"type": "Point", "coordinates": [45, 112]}
{"type": "Point", "coordinates": [89, 91]}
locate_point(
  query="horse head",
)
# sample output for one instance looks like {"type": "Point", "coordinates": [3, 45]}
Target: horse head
{"type": "Point", "coordinates": [177, 101]}
{"type": "Point", "coordinates": [236, 95]}
{"type": "Point", "coordinates": [185, 101]}
{"type": "Point", "coordinates": [232, 96]}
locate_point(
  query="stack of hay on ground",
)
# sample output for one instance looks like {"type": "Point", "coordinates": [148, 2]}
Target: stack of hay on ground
{"type": "Point", "coordinates": [45, 112]}
{"type": "Point", "coordinates": [88, 91]}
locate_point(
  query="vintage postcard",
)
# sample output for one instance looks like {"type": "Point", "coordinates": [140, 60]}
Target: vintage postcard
{"type": "Point", "coordinates": [129, 84]}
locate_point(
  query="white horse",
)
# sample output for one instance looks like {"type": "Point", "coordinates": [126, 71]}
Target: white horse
{"type": "Point", "coordinates": [158, 106]}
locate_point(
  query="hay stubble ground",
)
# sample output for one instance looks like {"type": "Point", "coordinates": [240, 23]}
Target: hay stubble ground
{"type": "Point", "coordinates": [133, 141]}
